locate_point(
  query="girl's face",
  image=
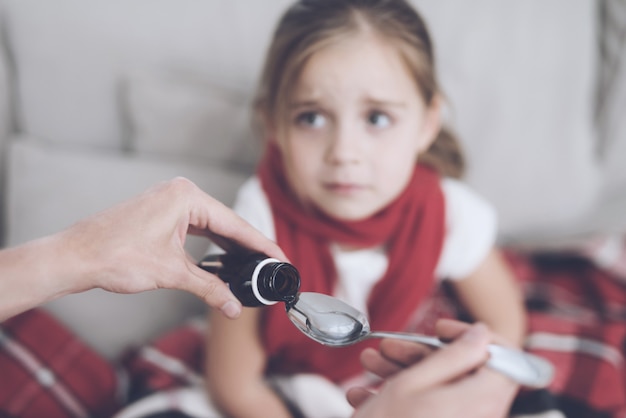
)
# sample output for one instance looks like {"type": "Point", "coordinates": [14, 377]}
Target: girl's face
{"type": "Point", "coordinates": [356, 123]}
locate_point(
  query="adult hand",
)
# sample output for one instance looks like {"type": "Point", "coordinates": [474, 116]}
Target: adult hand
{"type": "Point", "coordinates": [135, 246]}
{"type": "Point", "coordinates": [449, 382]}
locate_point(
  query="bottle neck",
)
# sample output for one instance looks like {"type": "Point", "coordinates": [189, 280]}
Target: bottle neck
{"type": "Point", "coordinates": [274, 281]}
{"type": "Point", "coordinates": [255, 281]}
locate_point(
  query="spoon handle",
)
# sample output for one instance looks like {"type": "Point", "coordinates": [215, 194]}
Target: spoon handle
{"type": "Point", "coordinates": [524, 368]}
{"type": "Point", "coordinates": [416, 338]}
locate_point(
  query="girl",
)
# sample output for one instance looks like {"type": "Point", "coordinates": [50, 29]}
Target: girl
{"type": "Point", "coordinates": [355, 188]}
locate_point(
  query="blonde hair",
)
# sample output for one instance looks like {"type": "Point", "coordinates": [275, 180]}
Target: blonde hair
{"type": "Point", "coordinates": [309, 25]}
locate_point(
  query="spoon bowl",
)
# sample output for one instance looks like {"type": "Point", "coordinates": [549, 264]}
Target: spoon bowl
{"type": "Point", "coordinates": [334, 323]}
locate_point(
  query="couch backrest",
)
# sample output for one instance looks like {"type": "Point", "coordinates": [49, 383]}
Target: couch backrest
{"type": "Point", "coordinates": [115, 74]}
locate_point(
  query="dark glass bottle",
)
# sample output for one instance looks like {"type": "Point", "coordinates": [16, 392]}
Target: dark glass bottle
{"type": "Point", "coordinates": [254, 278]}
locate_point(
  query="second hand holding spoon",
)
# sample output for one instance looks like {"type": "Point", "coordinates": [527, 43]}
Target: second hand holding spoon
{"type": "Point", "coordinates": [332, 322]}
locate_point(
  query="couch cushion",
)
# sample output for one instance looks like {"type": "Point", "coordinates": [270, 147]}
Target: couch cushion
{"type": "Point", "coordinates": [71, 55]}
{"type": "Point", "coordinates": [184, 115]}
{"type": "Point", "coordinates": [519, 77]}
{"type": "Point", "coordinates": [50, 188]}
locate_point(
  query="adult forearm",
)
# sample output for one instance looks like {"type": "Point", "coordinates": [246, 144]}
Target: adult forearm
{"type": "Point", "coordinates": [34, 273]}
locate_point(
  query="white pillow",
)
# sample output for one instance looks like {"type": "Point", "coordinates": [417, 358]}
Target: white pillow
{"type": "Point", "coordinates": [182, 115]}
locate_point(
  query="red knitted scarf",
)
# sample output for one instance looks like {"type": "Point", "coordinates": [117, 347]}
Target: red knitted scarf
{"type": "Point", "coordinates": [412, 230]}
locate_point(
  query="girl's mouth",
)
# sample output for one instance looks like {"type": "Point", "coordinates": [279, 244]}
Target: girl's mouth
{"type": "Point", "coordinates": [343, 188]}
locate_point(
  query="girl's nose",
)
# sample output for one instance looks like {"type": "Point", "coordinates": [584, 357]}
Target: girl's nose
{"type": "Point", "coordinates": [343, 147]}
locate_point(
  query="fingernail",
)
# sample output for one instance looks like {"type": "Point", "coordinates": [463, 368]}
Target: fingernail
{"type": "Point", "coordinates": [231, 309]}
{"type": "Point", "coordinates": [475, 332]}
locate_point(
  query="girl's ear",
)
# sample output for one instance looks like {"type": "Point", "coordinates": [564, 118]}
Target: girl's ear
{"type": "Point", "coordinates": [266, 126]}
{"type": "Point", "coordinates": [432, 122]}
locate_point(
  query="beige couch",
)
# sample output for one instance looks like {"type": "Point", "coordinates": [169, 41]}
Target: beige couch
{"type": "Point", "coordinates": [99, 100]}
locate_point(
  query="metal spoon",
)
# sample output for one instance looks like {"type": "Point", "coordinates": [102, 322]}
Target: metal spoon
{"type": "Point", "coordinates": [332, 322]}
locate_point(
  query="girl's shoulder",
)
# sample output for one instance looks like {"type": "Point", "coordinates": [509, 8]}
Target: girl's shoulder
{"type": "Point", "coordinates": [459, 196]}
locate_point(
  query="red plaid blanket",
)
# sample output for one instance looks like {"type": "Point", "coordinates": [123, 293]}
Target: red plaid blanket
{"type": "Point", "coordinates": [46, 371]}
{"type": "Point", "coordinates": [577, 320]}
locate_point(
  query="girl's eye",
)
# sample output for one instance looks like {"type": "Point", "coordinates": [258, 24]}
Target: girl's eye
{"type": "Point", "coordinates": [311, 119]}
{"type": "Point", "coordinates": [379, 119]}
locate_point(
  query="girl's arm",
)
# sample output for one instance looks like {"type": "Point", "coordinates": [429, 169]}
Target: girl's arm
{"type": "Point", "coordinates": [492, 295]}
{"type": "Point", "coordinates": [235, 363]}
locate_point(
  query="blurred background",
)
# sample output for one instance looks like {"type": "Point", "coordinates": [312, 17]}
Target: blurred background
{"type": "Point", "coordinates": [101, 99]}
